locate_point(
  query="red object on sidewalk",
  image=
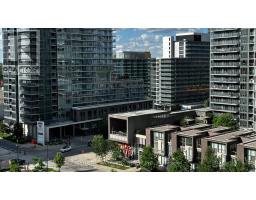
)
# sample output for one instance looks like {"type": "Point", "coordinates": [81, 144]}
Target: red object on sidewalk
{"type": "Point", "coordinates": [33, 141]}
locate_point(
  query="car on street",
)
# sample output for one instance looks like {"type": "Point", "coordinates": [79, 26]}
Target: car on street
{"type": "Point", "coordinates": [66, 148]}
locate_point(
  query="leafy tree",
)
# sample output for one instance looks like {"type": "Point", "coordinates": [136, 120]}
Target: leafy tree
{"type": "Point", "coordinates": [39, 165]}
{"type": "Point", "coordinates": [117, 152]}
{"type": "Point", "coordinates": [225, 119]}
{"type": "Point", "coordinates": [4, 128]}
{"type": "Point", "coordinates": [206, 103]}
{"type": "Point", "coordinates": [178, 162]}
{"type": "Point", "coordinates": [59, 160]}
{"type": "Point", "coordinates": [148, 159]}
{"type": "Point", "coordinates": [17, 130]}
{"type": "Point", "coordinates": [100, 146]}
{"type": "Point", "coordinates": [236, 166]}
{"type": "Point", "coordinates": [210, 162]}
{"type": "Point", "coordinates": [185, 121]}
{"type": "Point", "coordinates": [15, 166]}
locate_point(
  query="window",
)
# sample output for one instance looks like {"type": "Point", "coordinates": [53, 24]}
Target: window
{"type": "Point", "coordinates": [218, 148]}
{"type": "Point", "coordinates": [251, 156]}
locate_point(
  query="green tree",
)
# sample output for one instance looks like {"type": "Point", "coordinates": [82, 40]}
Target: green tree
{"type": "Point", "coordinates": [18, 131]}
{"type": "Point", "coordinates": [225, 119]}
{"type": "Point", "coordinates": [59, 160]}
{"type": "Point", "coordinates": [100, 146]}
{"type": "Point", "coordinates": [4, 128]}
{"type": "Point", "coordinates": [236, 166]}
{"type": "Point", "coordinates": [117, 152]}
{"type": "Point", "coordinates": [148, 159]}
{"type": "Point", "coordinates": [178, 162]}
{"type": "Point", "coordinates": [210, 162]}
{"type": "Point", "coordinates": [206, 103]}
{"type": "Point", "coordinates": [39, 165]}
{"type": "Point", "coordinates": [15, 166]}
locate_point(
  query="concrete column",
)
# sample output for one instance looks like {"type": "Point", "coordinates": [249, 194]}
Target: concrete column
{"type": "Point", "coordinates": [204, 146]}
{"type": "Point", "coordinates": [73, 130]}
{"type": "Point", "coordinates": [174, 141]}
{"type": "Point", "coordinates": [240, 152]}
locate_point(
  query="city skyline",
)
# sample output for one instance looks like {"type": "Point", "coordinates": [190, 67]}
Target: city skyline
{"type": "Point", "coordinates": [139, 39]}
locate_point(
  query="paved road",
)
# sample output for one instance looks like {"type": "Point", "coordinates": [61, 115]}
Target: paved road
{"type": "Point", "coordinates": [8, 145]}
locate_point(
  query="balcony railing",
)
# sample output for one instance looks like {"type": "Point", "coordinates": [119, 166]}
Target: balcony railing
{"type": "Point", "coordinates": [231, 57]}
{"type": "Point", "coordinates": [224, 50]}
{"type": "Point", "coordinates": [119, 136]}
{"type": "Point", "coordinates": [225, 42]}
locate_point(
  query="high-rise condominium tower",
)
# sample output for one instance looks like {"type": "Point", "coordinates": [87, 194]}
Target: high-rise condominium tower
{"type": "Point", "coordinates": [232, 80]}
{"type": "Point", "coordinates": [184, 78]}
{"type": "Point", "coordinates": [64, 78]}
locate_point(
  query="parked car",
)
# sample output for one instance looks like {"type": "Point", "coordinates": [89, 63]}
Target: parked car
{"type": "Point", "coordinates": [65, 149]}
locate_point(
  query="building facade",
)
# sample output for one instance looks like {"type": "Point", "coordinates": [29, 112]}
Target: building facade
{"type": "Point", "coordinates": [185, 78]}
{"type": "Point", "coordinates": [50, 72]}
{"type": "Point", "coordinates": [133, 65]}
{"type": "Point", "coordinates": [232, 73]}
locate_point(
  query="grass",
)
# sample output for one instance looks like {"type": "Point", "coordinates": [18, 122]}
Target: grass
{"type": "Point", "coordinates": [113, 165]}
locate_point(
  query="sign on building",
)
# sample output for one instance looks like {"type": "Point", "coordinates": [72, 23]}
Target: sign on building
{"type": "Point", "coordinates": [40, 132]}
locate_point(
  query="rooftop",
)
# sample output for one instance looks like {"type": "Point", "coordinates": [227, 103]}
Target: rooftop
{"type": "Point", "coordinates": [198, 126]}
{"type": "Point", "coordinates": [219, 129]}
{"type": "Point", "coordinates": [250, 144]}
{"type": "Point", "coordinates": [165, 128]}
{"type": "Point", "coordinates": [138, 113]}
{"type": "Point", "coordinates": [231, 136]}
{"type": "Point", "coordinates": [191, 133]}
{"type": "Point", "coordinates": [107, 104]}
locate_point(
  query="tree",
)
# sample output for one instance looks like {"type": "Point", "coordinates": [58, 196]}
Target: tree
{"type": "Point", "coordinates": [100, 146]}
{"type": "Point", "coordinates": [18, 131]}
{"type": "Point", "coordinates": [178, 162]}
{"type": "Point", "coordinates": [15, 166]}
{"type": "Point", "coordinates": [185, 121]}
{"type": "Point", "coordinates": [59, 160]}
{"type": "Point", "coordinates": [236, 166]}
{"type": "Point", "coordinates": [39, 165]}
{"type": "Point", "coordinates": [210, 162]}
{"type": "Point", "coordinates": [225, 119]}
{"type": "Point", "coordinates": [148, 159]}
{"type": "Point", "coordinates": [206, 103]}
{"type": "Point", "coordinates": [4, 128]}
{"type": "Point", "coordinates": [117, 152]}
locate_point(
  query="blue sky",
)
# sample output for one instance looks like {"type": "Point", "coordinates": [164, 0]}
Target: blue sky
{"type": "Point", "coordinates": [149, 39]}
{"type": "Point", "coordinates": [140, 39]}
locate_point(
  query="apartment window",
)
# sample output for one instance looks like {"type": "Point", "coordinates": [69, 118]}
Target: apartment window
{"type": "Point", "coordinates": [185, 141]}
{"type": "Point", "coordinates": [158, 142]}
{"type": "Point", "coordinates": [218, 148]}
{"type": "Point", "coordinates": [251, 156]}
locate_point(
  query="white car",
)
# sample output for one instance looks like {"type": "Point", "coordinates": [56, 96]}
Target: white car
{"type": "Point", "coordinates": [65, 149]}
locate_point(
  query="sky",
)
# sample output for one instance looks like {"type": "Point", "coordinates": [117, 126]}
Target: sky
{"type": "Point", "coordinates": [147, 39]}
{"type": "Point", "coordinates": [139, 39]}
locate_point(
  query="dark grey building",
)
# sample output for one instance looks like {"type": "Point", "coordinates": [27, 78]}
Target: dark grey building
{"type": "Point", "coordinates": [133, 65]}
{"type": "Point", "coordinates": [53, 75]}
{"type": "Point", "coordinates": [185, 78]}
{"type": "Point", "coordinates": [232, 82]}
